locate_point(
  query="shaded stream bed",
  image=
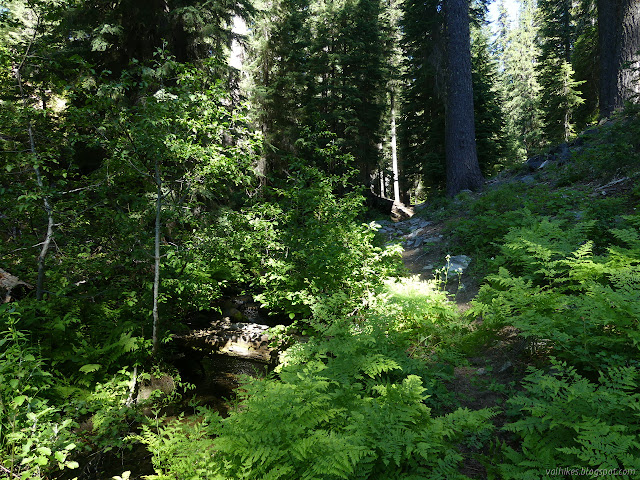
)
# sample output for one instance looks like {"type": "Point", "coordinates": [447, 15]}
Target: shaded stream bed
{"type": "Point", "coordinates": [215, 378]}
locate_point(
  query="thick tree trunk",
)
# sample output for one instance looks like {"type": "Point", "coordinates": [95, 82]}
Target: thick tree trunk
{"type": "Point", "coordinates": [463, 171]}
{"type": "Point", "coordinates": [619, 38]}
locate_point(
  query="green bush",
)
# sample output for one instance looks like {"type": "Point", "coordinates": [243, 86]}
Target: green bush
{"type": "Point", "coordinates": [183, 449]}
{"type": "Point", "coordinates": [348, 406]}
{"type": "Point", "coordinates": [297, 248]}
{"type": "Point", "coordinates": [580, 307]}
{"type": "Point", "coordinates": [35, 440]}
{"type": "Point", "coordinates": [568, 422]}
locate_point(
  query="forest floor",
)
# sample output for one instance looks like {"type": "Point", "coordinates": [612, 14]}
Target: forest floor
{"type": "Point", "coordinates": [488, 377]}
{"type": "Point", "coordinates": [423, 262]}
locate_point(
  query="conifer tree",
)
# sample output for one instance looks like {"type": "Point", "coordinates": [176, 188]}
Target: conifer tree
{"type": "Point", "coordinates": [422, 132]}
{"type": "Point", "coordinates": [560, 95]}
{"type": "Point", "coordinates": [521, 86]}
{"type": "Point", "coordinates": [585, 62]}
{"type": "Point", "coordinates": [619, 42]}
{"type": "Point", "coordinates": [463, 171]}
{"type": "Point", "coordinates": [322, 67]}
{"type": "Point", "coordinates": [494, 147]}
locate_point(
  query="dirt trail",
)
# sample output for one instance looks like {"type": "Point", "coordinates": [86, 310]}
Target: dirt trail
{"type": "Point", "coordinates": [425, 252]}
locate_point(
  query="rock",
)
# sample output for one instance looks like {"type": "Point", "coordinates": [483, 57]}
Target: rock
{"type": "Point", "coordinates": [236, 339]}
{"type": "Point", "coordinates": [536, 162]}
{"type": "Point", "coordinates": [418, 242]}
{"type": "Point", "coordinates": [437, 238]}
{"type": "Point", "coordinates": [529, 179]}
{"type": "Point", "coordinates": [561, 153]}
{"type": "Point", "coordinates": [412, 234]}
{"type": "Point", "coordinates": [506, 366]}
{"type": "Point", "coordinates": [401, 212]}
{"type": "Point", "coordinates": [458, 263]}
{"type": "Point", "coordinates": [428, 266]}
{"type": "Point", "coordinates": [164, 384]}
{"type": "Point", "coordinates": [481, 371]}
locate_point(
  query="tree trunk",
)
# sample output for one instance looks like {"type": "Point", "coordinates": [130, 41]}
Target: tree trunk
{"type": "Point", "coordinates": [47, 204]}
{"type": "Point", "coordinates": [463, 171]}
{"type": "Point", "coordinates": [394, 151]}
{"type": "Point", "coordinates": [619, 39]}
{"type": "Point", "coordinates": [156, 271]}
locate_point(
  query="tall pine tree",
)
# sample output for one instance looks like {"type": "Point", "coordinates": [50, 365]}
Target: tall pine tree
{"type": "Point", "coordinates": [560, 94]}
{"type": "Point", "coordinates": [520, 83]}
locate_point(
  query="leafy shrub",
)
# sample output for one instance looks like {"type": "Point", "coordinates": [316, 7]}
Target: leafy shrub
{"type": "Point", "coordinates": [298, 248]}
{"type": "Point", "coordinates": [568, 422]}
{"type": "Point", "coordinates": [183, 449]}
{"type": "Point", "coordinates": [84, 341]}
{"type": "Point", "coordinates": [419, 312]}
{"type": "Point", "coordinates": [34, 438]}
{"type": "Point", "coordinates": [551, 286]}
{"type": "Point", "coordinates": [347, 406]}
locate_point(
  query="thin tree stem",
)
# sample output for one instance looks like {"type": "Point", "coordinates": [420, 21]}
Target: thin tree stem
{"type": "Point", "coordinates": [47, 204]}
{"type": "Point", "coordinates": [156, 279]}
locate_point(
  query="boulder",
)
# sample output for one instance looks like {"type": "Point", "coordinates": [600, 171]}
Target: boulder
{"type": "Point", "coordinates": [236, 339]}
{"type": "Point", "coordinates": [536, 162]}
{"type": "Point", "coordinates": [458, 264]}
{"type": "Point", "coordinates": [164, 384]}
{"type": "Point", "coordinates": [529, 179]}
{"type": "Point", "coordinates": [561, 153]}
{"type": "Point", "coordinates": [401, 212]}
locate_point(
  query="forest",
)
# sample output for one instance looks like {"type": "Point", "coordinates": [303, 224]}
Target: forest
{"type": "Point", "coordinates": [319, 239]}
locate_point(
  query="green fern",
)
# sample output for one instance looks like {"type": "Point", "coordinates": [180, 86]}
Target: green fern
{"type": "Point", "coordinates": [569, 421]}
{"type": "Point", "coordinates": [567, 301]}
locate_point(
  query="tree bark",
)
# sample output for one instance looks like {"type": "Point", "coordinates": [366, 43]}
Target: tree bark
{"type": "Point", "coordinates": [394, 151]}
{"type": "Point", "coordinates": [156, 271]}
{"type": "Point", "coordinates": [463, 170]}
{"type": "Point", "coordinates": [619, 42]}
{"type": "Point", "coordinates": [47, 204]}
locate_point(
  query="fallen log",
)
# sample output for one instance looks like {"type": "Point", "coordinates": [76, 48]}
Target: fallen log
{"type": "Point", "coordinates": [11, 287]}
{"type": "Point", "coordinates": [236, 339]}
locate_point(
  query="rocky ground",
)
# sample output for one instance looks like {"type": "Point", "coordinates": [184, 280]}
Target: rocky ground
{"type": "Point", "coordinates": [425, 254]}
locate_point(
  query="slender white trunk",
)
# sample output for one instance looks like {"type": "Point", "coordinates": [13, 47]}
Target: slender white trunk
{"type": "Point", "coordinates": [394, 151]}
{"type": "Point", "coordinates": [49, 235]}
{"type": "Point", "coordinates": [156, 277]}
{"type": "Point", "coordinates": [47, 204]}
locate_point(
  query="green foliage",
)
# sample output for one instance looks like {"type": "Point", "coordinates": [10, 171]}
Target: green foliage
{"type": "Point", "coordinates": [421, 313]}
{"type": "Point", "coordinates": [489, 219]}
{"type": "Point", "coordinates": [183, 449]}
{"type": "Point", "coordinates": [111, 409]}
{"type": "Point", "coordinates": [567, 421]}
{"type": "Point", "coordinates": [520, 85]}
{"type": "Point", "coordinates": [565, 299]}
{"type": "Point", "coordinates": [298, 247]}
{"type": "Point", "coordinates": [320, 248]}
{"type": "Point", "coordinates": [347, 406]}
{"type": "Point", "coordinates": [34, 439]}
{"type": "Point", "coordinates": [610, 154]}
{"type": "Point", "coordinates": [560, 91]}
{"type": "Point", "coordinates": [422, 123]}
